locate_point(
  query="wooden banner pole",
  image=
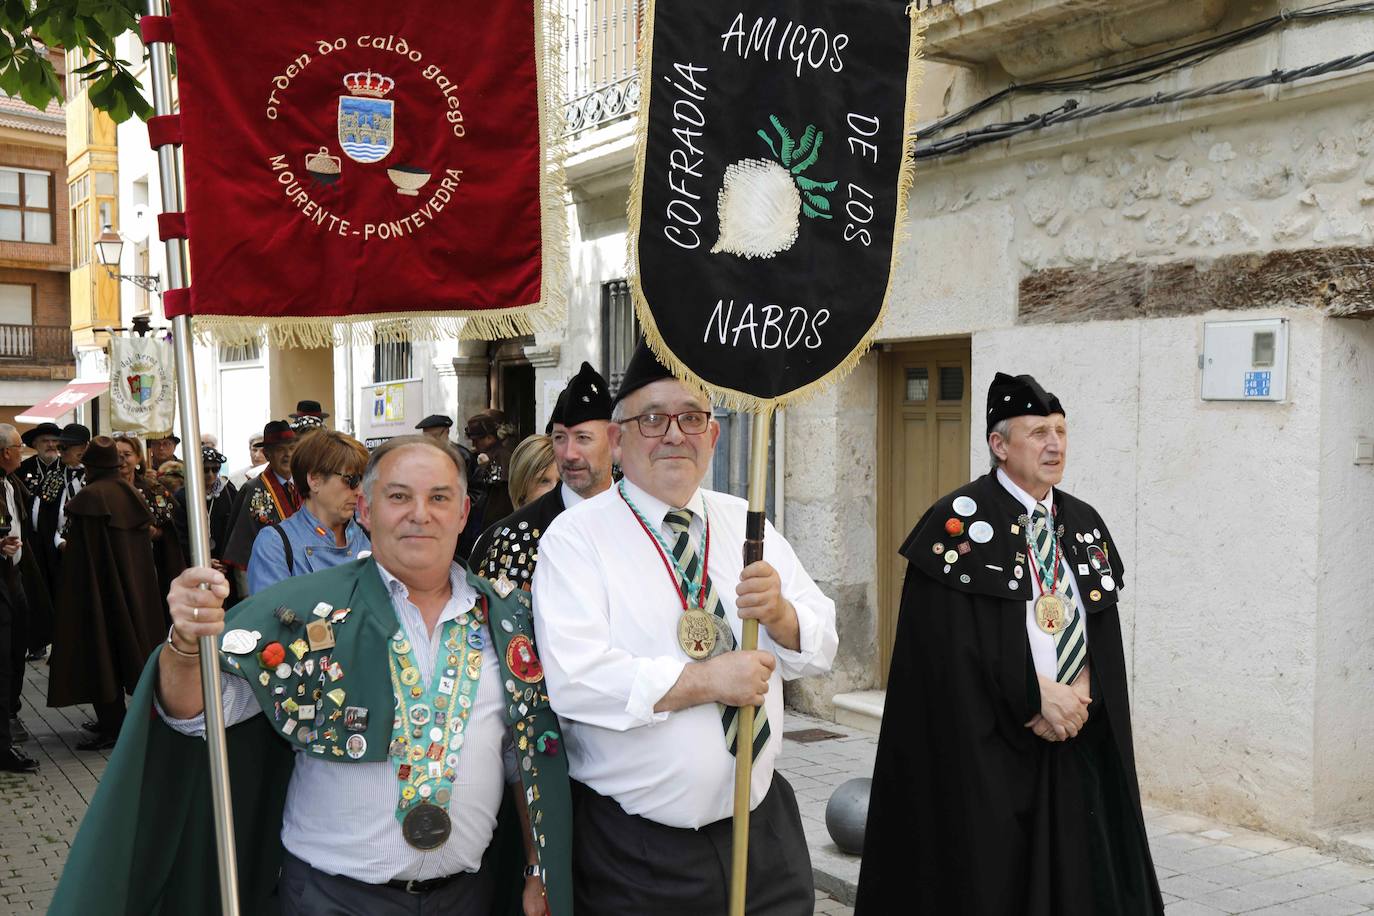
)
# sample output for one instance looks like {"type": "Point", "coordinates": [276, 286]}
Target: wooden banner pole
{"type": "Point", "coordinates": [744, 755]}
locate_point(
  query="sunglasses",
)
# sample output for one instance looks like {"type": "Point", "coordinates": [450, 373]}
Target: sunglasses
{"type": "Point", "coordinates": [352, 481]}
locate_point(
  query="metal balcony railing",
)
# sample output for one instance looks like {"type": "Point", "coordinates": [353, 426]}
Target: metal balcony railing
{"type": "Point", "coordinates": [601, 38]}
{"type": "Point", "coordinates": [36, 343]}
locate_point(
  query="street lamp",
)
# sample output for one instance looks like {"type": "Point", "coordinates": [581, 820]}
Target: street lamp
{"type": "Point", "coordinates": [108, 249]}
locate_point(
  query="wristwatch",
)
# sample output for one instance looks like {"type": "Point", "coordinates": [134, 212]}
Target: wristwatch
{"type": "Point", "coordinates": [531, 871]}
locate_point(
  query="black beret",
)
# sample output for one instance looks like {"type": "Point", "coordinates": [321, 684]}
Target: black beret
{"type": "Point", "coordinates": [211, 455]}
{"type": "Point", "coordinates": [644, 369]}
{"type": "Point", "coordinates": [1018, 396]}
{"type": "Point", "coordinates": [433, 420]}
{"type": "Point", "coordinates": [584, 399]}
{"type": "Point", "coordinates": [557, 415]}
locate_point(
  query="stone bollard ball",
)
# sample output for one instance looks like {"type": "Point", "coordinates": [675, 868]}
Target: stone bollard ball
{"type": "Point", "coordinates": [846, 814]}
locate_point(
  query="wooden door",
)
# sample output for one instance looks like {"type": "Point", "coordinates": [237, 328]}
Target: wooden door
{"type": "Point", "coordinates": [923, 453]}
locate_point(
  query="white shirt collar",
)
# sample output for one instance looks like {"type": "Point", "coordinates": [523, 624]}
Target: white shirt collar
{"type": "Point", "coordinates": [1022, 496]}
{"type": "Point", "coordinates": [463, 595]}
{"type": "Point", "coordinates": [570, 497]}
{"type": "Point", "coordinates": [654, 509]}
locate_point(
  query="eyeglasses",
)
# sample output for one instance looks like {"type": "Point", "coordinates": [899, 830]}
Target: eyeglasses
{"type": "Point", "coordinates": [351, 480]}
{"type": "Point", "coordinates": [655, 425]}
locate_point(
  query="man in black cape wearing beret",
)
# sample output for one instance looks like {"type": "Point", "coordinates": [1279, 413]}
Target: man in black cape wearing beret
{"type": "Point", "coordinates": [507, 551]}
{"type": "Point", "coordinates": [1005, 781]}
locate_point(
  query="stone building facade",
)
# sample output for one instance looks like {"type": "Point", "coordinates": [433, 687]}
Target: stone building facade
{"type": "Point", "coordinates": [1092, 255]}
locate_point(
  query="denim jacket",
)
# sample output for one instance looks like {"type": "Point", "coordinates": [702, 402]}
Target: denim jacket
{"type": "Point", "coordinates": [311, 551]}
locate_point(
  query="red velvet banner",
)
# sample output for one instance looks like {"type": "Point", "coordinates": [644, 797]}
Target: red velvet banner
{"type": "Point", "coordinates": [362, 160]}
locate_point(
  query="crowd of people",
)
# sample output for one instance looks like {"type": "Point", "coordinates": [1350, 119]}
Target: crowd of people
{"type": "Point", "coordinates": [440, 663]}
{"type": "Point", "coordinates": [84, 578]}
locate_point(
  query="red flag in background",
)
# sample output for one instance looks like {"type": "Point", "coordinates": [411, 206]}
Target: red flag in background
{"type": "Point", "coordinates": [356, 160]}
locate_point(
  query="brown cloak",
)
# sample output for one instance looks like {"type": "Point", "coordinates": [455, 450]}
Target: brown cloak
{"type": "Point", "coordinates": [108, 617]}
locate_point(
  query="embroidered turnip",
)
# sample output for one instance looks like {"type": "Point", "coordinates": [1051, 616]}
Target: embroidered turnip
{"type": "Point", "coordinates": [761, 201]}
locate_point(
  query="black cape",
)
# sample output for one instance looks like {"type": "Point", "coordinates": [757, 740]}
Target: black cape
{"type": "Point", "coordinates": [511, 546]}
{"type": "Point", "coordinates": [46, 482]}
{"type": "Point", "coordinates": [970, 812]}
{"type": "Point", "coordinates": [37, 598]}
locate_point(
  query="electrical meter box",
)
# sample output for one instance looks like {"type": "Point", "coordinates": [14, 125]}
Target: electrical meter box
{"type": "Point", "coordinates": [1245, 360]}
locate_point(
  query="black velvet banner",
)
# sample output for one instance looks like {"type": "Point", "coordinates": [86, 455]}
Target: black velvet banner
{"type": "Point", "coordinates": [768, 186]}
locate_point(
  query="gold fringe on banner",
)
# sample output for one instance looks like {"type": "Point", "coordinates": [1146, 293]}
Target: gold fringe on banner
{"type": "Point", "coordinates": [729, 397]}
{"type": "Point", "coordinates": [547, 315]}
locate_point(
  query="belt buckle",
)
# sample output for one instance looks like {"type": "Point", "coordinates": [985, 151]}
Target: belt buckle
{"type": "Point", "coordinates": [415, 886]}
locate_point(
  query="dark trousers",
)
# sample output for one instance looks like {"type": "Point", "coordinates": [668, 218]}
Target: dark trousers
{"type": "Point", "coordinates": [110, 717]}
{"type": "Point", "coordinates": [8, 664]}
{"type": "Point", "coordinates": [19, 643]}
{"type": "Point", "coordinates": [307, 891]}
{"type": "Point", "coordinates": [626, 865]}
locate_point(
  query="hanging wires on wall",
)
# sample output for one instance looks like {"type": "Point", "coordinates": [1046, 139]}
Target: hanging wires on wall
{"type": "Point", "coordinates": [1139, 72]}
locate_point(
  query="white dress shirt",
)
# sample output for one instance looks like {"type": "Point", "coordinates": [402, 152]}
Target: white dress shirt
{"type": "Point", "coordinates": [606, 613]}
{"type": "Point", "coordinates": [341, 817]}
{"type": "Point", "coordinates": [1041, 643]}
{"type": "Point", "coordinates": [570, 497]}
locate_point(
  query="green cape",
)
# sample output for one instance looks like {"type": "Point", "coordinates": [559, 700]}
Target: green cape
{"type": "Point", "coordinates": [147, 844]}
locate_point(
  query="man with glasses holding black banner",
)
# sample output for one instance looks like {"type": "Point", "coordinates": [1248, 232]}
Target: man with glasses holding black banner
{"type": "Point", "coordinates": [639, 594]}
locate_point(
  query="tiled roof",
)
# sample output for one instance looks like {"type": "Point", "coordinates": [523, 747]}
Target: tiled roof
{"type": "Point", "coordinates": [17, 113]}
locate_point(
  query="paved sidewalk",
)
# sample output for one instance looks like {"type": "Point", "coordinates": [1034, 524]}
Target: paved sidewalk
{"type": "Point", "coordinates": [39, 814]}
{"type": "Point", "coordinates": [1205, 868]}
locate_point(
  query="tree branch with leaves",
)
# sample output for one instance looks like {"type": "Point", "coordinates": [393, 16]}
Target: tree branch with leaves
{"type": "Point", "coordinates": [28, 28]}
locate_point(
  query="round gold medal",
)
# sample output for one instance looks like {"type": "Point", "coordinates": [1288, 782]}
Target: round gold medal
{"type": "Point", "coordinates": [1051, 613]}
{"type": "Point", "coordinates": [696, 633]}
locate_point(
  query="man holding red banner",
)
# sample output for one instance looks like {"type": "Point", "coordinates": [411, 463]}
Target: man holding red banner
{"type": "Point", "coordinates": [376, 712]}
{"type": "Point", "coordinates": [640, 595]}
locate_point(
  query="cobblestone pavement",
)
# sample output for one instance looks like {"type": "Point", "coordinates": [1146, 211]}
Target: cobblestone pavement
{"type": "Point", "coordinates": [1205, 868]}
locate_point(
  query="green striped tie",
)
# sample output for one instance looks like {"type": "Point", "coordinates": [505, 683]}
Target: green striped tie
{"type": "Point", "coordinates": [1070, 643]}
{"type": "Point", "coordinates": [680, 522]}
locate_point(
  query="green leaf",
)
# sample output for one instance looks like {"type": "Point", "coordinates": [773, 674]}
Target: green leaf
{"type": "Point", "coordinates": [37, 81]}
{"type": "Point", "coordinates": [769, 141]}
{"type": "Point", "coordinates": [817, 201]}
{"type": "Point", "coordinates": [806, 184]}
{"type": "Point", "coordinates": [811, 157]}
{"type": "Point", "coordinates": [129, 98]}
{"type": "Point", "coordinates": [787, 144]}
{"type": "Point", "coordinates": [808, 137]}
{"type": "Point", "coordinates": [807, 209]}
{"type": "Point", "coordinates": [10, 80]}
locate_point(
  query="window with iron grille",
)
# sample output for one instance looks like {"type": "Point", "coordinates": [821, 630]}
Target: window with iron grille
{"type": "Point", "coordinates": [619, 330]}
{"type": "Point", "coordinates": [391, 361]}
{"type": "Point", "coordinates": [26, 206]}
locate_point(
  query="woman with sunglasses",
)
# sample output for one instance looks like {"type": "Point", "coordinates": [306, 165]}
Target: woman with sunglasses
{"type": "Point", "coordinates": [327, 468]}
